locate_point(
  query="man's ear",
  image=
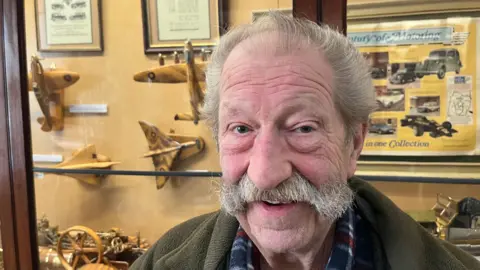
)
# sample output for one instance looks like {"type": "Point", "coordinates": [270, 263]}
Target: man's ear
{"type": "Point", "coordinates": [358, 140]}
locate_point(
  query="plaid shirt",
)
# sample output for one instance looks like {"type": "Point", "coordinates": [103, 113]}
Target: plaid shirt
{"type": "Point", "coordinates": [352, 248]}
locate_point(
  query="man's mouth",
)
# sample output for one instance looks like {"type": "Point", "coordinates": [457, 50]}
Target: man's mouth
{"type": "Point", "coordinates": [276, 203]}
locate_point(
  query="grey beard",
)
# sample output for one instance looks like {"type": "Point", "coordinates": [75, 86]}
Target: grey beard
{"type": "Point", "coordinates": [331, 200]}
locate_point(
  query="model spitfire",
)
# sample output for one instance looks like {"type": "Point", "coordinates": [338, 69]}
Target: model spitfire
{"type": "Point", "coordinates": [48, 87]}
{"type": "Point", "coordinates": [165, 149]}
{"type": "Point", "coordinates": [189, 72]}
{"type": "Point", "coordinates": [86, 158]}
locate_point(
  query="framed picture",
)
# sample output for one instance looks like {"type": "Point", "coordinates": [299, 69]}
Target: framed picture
{"type": "Point", "coordinates": [417, 124]}
{"type": "Point", "coordinates": [69, 25]}
{"type": "Point", "coordinates": [167, 24]}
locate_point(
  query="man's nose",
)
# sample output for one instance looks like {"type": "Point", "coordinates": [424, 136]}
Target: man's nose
{"type": "Point", "coordinates": [269, 164]}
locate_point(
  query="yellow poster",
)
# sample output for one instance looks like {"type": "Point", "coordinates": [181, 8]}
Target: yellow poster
{"type": "Point", "coordinates": [425, 78]}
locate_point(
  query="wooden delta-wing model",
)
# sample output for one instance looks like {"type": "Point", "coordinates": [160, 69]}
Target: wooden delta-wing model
{"type": "Point", "coordinates": [86, 158]}
{"type": "Point", "coordinates": [48, 86]}
{"type": "Point", "coordinates": [189, 72]}
{"type": "Point", "coordinates": [165, 149]}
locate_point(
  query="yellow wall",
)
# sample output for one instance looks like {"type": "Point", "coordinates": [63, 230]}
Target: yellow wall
{"type": "Point", "coordinates": [133, 203]}
{"type": "Point", "coordinates": [129, 202]}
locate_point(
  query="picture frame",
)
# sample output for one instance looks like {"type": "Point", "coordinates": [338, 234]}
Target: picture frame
{"type": "Point", "coordinates": [167, 24]}
{"type": "Point", "coordinates": [386, 11]}
{"type": "Point", "coordinates": [69, 25]}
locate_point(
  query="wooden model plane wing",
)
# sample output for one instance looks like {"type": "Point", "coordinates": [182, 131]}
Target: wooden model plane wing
{"type": "Point", "coordinates": [164, 151]}
{"type": "Point", "coordinates": [86, 158]}
{"type": "Point", "coordinates": [92, 165]}
{"type": "Point", "coordinates": [56, 79]}
{"type": "Point", "coordinates": [82, 156]}
{"type": "Point", "coordinates": [175, 73]}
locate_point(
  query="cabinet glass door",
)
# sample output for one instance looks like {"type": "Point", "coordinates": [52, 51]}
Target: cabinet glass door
{"type": "Point", "coordinates": [120, 154]}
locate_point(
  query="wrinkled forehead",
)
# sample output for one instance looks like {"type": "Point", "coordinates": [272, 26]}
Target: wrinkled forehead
{"type": "Point", "coordinates": [269, 51]}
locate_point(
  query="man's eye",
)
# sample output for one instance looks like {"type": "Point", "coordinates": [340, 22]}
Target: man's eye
{"type": "Point", "coordinates": [304, 129]}
{"type": "Point", "coordinates": [241, 129]}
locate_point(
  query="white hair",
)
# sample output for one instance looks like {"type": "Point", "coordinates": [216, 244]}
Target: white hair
{"type": "Point", "coordinates": [354, 96]}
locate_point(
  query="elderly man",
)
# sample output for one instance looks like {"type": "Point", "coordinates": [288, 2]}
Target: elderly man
{"type": "Point", "coordinates": [288, 102]}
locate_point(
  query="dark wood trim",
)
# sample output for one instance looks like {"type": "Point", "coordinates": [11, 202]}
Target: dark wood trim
{"type": "Point", "coordinates": [7, 217]}
{"type": "Point", "coordinates": [331, 12]}
{"type": "Point", "coordinates": [334, 13]}
{"type": "Point", "coordinates": [308, 9]}
{"type": "Point", "coordinates": [19, 136]}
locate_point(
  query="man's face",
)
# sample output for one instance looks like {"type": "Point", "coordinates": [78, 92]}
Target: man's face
{"type": "Point", "coordinates": [277, 117]}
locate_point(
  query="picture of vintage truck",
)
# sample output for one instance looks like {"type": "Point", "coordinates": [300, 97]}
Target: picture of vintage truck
{"type": "Point", "coordinates": [439, 62]}
{"type": "Point", "coordinates": [420, 124]}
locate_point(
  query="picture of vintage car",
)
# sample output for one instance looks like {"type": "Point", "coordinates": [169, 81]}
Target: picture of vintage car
{"type": "Point", "coordinates": [78, 16]}
{"type": "Point", "coordinates": [439, 62]}
{"type": "Point", "coordinates": [403, 76]}
{"type": "Point", "coordinates": [420, 124]}
{"type": "Point", "coordinates": [58, 17]}
{"type": "Point", "coordinates": [390, 98]}
{"type": "Point", "coordinates": [80, 4]}
{"type": "Point", "coordinates": [378, 61]}
{"type": "Point", "coordinates": [379, 73]}
{"type": "Point", "coordinates": [381, 129]}
{"type": "Point", "coordinates": [428, 107]}
{"type": "Point", "coordinates": [425, 105]}
{"type": "Point", "coordinates": [57, 6]}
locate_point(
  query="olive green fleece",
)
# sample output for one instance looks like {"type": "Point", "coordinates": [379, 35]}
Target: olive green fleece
{"type": "Point", "coordinates": [400, 243]}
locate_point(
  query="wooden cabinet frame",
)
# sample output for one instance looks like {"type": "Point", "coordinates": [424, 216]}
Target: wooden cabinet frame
{"type": "Point", "coordinates": [17, 214]}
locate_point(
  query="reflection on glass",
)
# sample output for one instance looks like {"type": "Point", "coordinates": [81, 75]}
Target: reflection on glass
{"type": "Point", "coordinates": [89, 111]}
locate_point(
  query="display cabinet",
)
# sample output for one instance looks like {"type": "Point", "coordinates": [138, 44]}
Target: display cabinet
{"type": "Point", "coordinates": [91, 150]}
{"type": "Point", "coordinates": [103, 149]}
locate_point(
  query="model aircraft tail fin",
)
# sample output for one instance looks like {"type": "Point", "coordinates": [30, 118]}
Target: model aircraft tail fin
{"type": "Point", "coordinates": [155, 137]}
{"type": "Point", "coordinates": [162, 180]}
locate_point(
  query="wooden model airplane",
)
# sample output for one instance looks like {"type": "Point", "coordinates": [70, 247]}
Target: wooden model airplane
{"type": "Point", "coordinates": [86, 158]}
{"type": "Point", "coordinates": [48, 86]}
{"type": "Point", "coordinates": [189, 72]}
{"type": "Point", "coordinates": [165, 149]}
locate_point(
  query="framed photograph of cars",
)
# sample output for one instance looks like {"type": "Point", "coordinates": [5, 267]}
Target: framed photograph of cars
{"type": "Point", "coordinates": [423, 74]}
{"type": "Point", "coordinates": [167, 24]}
{"type": "Point", "coordinates": [69, 25]}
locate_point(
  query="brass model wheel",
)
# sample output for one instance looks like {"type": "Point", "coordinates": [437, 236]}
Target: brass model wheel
{"type": "Point", "coordinates": [81, 241]}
